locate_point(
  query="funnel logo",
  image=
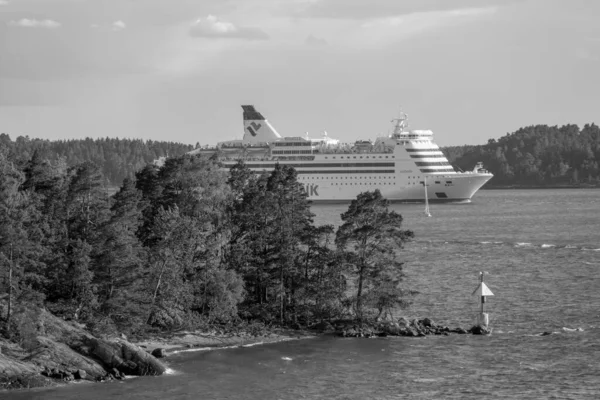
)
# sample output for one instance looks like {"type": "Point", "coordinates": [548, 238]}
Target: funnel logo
{"type": "Point", "coordinates": [253, 128]}
{"type": "Point", "coordinates": [311, 189]}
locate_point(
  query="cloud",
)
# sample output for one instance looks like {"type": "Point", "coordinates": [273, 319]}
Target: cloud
{"type": "Point", "coordinates": [212, 27]}
{"type": "Point", "coordinates": [315, 41]}
{"type": "Point", "coordinates": [34, 23]}
{"type": "Point", "coordinates": [3, 2]}
{"type": "Point", "coordinates": [118, 25]}
{"type": "Point", "coordinates": [360, 9]}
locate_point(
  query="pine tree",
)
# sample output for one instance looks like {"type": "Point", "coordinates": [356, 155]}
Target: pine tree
{"type": "Point", "coordinates": [119, 266]}
{"type": "Point", "coordinates": [20, 251]}
{"type": "Point", "coordinates": [370, 236]}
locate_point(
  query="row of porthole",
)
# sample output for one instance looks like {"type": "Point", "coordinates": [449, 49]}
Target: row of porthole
{"type": "Point", "coordinates": [346, 184]}
{"type": "Point", "coordinates": [349, 177]}
{"type": "Point", "coordinates": [361, 157]}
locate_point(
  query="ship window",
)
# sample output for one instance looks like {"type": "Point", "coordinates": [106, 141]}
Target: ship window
{"type": "Point", "coordinates": [437, 182]}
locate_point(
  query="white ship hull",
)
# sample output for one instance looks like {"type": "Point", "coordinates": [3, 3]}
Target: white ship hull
{"type": "Point", "coordinates": [400, 165]}
{"type": "Point", "coordinates": [402, 183]}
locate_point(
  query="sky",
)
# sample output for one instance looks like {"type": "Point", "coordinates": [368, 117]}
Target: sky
{"type": "Point", "coordinates": [179, 70]}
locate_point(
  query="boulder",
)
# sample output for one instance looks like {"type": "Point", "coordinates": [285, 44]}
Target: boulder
{"type": "Point", "coordinates": [428, 323]}
{"type": "Point", "coordinates": [459, 330]}
{"type": "Point", "coordinates": [479, 330]}
{"type": "Point", "coordinates": [125, 357]}
{"type": "Point", "coordinates": [159, 353]}
{"type": "Point", "coordinates": [146, 363]}
{"type": "Point", "coordinates": [403, 322]}
{"type": "Point", "coordinates": [80, 374]}
{"type": "Point", "coordinates": [323, 326]}
{"type": "Point", "coordinates": [51, 355]}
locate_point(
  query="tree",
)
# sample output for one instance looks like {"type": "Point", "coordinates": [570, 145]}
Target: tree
{"type": "Point", "coordinates": [370, 236]}
{"type": "Point", "coordinates": [120, 262]}
{"type": "Point", "coordinates": [20, 251]}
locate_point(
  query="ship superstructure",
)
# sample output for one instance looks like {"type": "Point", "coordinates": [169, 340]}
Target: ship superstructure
{"type": "Point", "coordinates": [399, 165]}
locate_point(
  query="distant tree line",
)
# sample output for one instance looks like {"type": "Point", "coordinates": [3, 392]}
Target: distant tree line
{"type": "Point", "coordinates": [537, 155]}
{"type": "Point", "coordinates": [187, 245]}
{"type": "Point", "coordinates": [117, 158]}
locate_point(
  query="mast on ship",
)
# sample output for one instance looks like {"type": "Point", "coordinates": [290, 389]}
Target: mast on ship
{"type": "Point", "coordinates": [400, 123]}
{"type": "Point", "coordinates": [427, 213]}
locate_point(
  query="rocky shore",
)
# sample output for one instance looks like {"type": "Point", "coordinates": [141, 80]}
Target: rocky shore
{"type": "Point", "coordinates": [62, 351]}
{"type": "Point", "coordinates": [402, 327]}
{"type": "Point", "coordinates": [57, 351]}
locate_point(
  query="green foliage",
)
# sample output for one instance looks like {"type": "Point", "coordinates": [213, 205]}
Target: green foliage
{"type": "Point", "coordinates": [117, 158]}
{"type": "Point", "coordinates": [369, 238]}
{"type": "Point", "coordinates": [185, 245]}
{"type": "Point", "coordinates": [537, 155]}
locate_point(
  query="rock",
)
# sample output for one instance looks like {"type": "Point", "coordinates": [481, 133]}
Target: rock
{"type": "Point", "coordinates": [411, 332]}
{"type": "Point", "coordinates": [479, 330]}
{"type": "Point", "coordinates": [461, 331]}
{"type": "Point", "coordinates": [55, 356]}
{"type": "Point", "coordinates": [159, 353]}
{"type": "Point", "coordinates": [116, 374]}
{"type": "Point", "coordinates": [146, 363]}
{"type": "Point", "coordinates": [392, 329]}
{"type": "Point", "coordinates": [545, 333]}
{"type": "Point", "coordinates": [126, 357]}
{"type": "Point", "coordinates": [323, 326]}
{"type": "Point", "coordinates": [80, 374]}
{"type": "Point", "coordinates": [403, 322]}
{"type": "Point", "coordinates": [428, 323]}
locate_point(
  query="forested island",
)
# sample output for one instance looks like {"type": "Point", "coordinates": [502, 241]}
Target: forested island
{"type": "Point", "coordinates": [533, 156]}
{"type": "Point", "coordinates": [117, 159]}
{"type": "Point", "coordinates": [537, 156]}
{"type": "Point", "coordinates": [181, 246]}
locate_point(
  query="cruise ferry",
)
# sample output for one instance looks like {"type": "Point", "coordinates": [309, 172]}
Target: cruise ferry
{"type": "Point", "coordinates": [402, 165]}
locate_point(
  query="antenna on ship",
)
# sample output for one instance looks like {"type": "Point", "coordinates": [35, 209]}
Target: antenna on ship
{"type": "Point", "coordinates": [483, 319]}
{"type": "Point", "coordinates": [427, 213]}
{"type": "Point", "coordinates": [400, 122]}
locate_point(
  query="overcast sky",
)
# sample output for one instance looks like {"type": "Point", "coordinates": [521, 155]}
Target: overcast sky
{"type": "Point", "coordinates": [179, 70]}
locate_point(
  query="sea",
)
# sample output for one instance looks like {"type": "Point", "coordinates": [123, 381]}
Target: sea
{"type": "Point", "coordinates": [540, 254]}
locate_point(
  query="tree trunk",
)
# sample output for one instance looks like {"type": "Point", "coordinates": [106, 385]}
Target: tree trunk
{"type": "Point", "coordinates": [162, 270]}
{"type": "Point", "coordinates": [281, 294]}
{"type": "Point", "coordinates": [359, 293]}
{"type": "Point", "coordinates": [10, 288]}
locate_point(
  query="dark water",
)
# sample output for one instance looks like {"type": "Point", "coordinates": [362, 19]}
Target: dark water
{"type": "Point", "coordinates": [541, 252]}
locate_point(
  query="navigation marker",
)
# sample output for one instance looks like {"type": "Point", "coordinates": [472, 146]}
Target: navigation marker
{"type": "Point", "coordinates": [483, 291]}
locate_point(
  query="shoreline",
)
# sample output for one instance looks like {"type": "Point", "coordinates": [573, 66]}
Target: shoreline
{"type": "Point", "coordinates": [188, 341]}
{"type": "Point", "coordinates": [169, 345]}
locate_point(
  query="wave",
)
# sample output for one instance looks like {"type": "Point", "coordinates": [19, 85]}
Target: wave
{"type": "Point", "coordinates": [524, 245]}
{"type": "Point", "coordinates": [171, 371]}
{"type": "Point", "coordinates": [572, 329]}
